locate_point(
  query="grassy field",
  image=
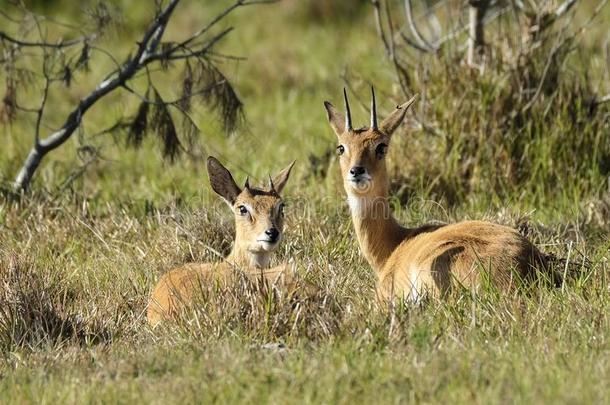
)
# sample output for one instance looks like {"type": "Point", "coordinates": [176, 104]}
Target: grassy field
{"type": "Point", "coordinates": [80, 254]}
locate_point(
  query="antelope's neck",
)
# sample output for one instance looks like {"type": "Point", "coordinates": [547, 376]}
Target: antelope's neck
{"type": "Point", "coordinates": [245, 259]}
{"type": "Point", "coordinates": [378, 232]}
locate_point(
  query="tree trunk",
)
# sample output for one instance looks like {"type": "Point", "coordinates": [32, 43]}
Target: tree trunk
{"type": "Point", "coordinates": [22, 181]}
{"type": "Point", "coordinates": [476, 38]}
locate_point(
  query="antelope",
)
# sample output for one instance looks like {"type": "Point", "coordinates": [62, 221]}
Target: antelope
{"type": "Point", "coordinates": [259, 221]}
{"type": "Point", "coordinates": [412, 263]}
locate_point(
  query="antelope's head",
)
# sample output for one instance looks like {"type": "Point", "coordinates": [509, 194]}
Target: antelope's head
{"type": "Point", "coordinates": [362, 151]}
{"type": "Point", "coordinates": [259, 213]}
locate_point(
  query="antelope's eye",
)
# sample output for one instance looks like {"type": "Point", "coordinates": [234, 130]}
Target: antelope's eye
{"type": "Point", "coordinates": [381, 150]}
{"type": "Point", "coordinates": [280, 209]}
{"type": "Point", "coordinates": [340, 150]}
{"type": "Point", "coordinates": [242, 210]}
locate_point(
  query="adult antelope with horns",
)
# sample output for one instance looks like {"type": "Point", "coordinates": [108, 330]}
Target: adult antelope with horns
{"type": "Point", "coordinates": [411, 263]}
{"type": "Point", "coordinates": [259, 223]}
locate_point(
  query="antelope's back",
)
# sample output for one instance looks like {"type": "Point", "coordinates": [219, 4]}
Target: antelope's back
{"type": "Point", "coordinates": [182, 287]}
{"type": "Point", "coordinates": [464, 252]}
{"type": "Point", "coordinates": [177, 287]}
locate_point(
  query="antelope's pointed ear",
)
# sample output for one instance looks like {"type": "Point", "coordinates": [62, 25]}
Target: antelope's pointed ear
{"type": "Point", "coordinates": [389, 125]}
{"type": "Point", "coordinates": [335, 118]}
{"type": "Point", "coordinates": [280, 179]}
{"type": "Point", "coordinates": [221, 181]}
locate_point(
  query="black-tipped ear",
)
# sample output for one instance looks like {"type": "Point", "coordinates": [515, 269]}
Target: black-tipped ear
{"type": "Point", "coordinates": [221, 181]}
{"type": "Point", "coordinates": [335, 118]}
{"type": "Point", "coordinates": [280, 179]}
{"type": "Point", "coordinates": [389, 125]}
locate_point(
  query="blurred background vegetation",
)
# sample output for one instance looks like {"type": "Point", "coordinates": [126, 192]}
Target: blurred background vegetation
{"type": "Point", "coordinates": [471, 133]}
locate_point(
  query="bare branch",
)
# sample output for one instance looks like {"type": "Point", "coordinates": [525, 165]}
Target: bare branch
{"type": "Point", "coordinates": [489, 17]}
{"type": "Point", "coordinates": [40, 111]}
{"type": "Point", "coordinates": [560, 41]}
{"type": "Point", "coordinates": [125, 73]}
{"type": "Point", "coordinates": [108, 54]}
{"type": "Point", "coordinates": [476, 37]}
{"type": "Point", "coordinates": [43, 146]}
{"type": "Point", "coordinates": [390, 45]}
{"type": "Point", "coordinates": [412, 43]}
{"type": "Point", "coordinates": [219, 56]}
{"type": "Point", "coordinates": [175, 101]}
{"type": "Point", "coordinates": [421, 41]}
{"type": "Point", "coordinates": [170, 55]}
{"type": "Point", "coordinates": [150, 49]}
{"type": "Point", "coordinates": [379, 24]}
{"type": "Point", "coordinates": [41, 44]}
{"type": "Point", "coordinates": [223, 14]}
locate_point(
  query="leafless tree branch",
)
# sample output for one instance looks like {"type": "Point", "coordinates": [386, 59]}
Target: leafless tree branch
{"type": "Point", "coordinates": [379, 25]}
{"type": "Point", "coordinates": [41, 44]}
{"type": "Point", "coordinates": [421, 41]}
{"type": "Point", "coordinates": [389, 43]}
{"type": "Point", "coordinates": [188, 53]}
{"type": "Point", "coordinates": [476, 37]}
{"type": "Point", "coordinates": [149, 50]}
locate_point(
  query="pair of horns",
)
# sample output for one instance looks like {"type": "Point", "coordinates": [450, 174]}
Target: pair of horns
{"type": "Point", "coordinates": [348, 114]}
{"type": "Point", "coordinates": [271, 185]}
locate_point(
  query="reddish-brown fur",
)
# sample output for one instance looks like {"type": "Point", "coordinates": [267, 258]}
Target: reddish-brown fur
{"type": "Point", "coordinates": [181, 287]}
{"type": "Point", "coordinates": [251, 251]}
{"type": "Point", "coordinates": [413, 262]}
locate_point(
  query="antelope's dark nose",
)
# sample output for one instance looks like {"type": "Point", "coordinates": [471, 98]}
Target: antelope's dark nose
{"type": "Point", "coordinates": [357, 171]}
{"type": "Point", "coordinates": [273, 234]}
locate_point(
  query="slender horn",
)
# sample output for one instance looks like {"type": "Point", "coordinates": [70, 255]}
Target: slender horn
{"type": "Point", "coordinates": [247, 184]}
{"type": "Point", "coordinates": [373, 109]}
{"type": "Point", "coordinates": [271, 186]}
{"type": "Point", "coordinates": [348, 114]}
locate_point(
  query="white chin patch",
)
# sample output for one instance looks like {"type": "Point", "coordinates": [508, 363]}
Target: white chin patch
{"type": "Point", "coordinates": [267, 246]}
{"type": "Point", "coordinates": [356, 204]}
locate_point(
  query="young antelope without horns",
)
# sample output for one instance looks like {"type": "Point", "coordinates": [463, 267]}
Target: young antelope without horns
{"type": "Point", "coordinates": [259, 224]}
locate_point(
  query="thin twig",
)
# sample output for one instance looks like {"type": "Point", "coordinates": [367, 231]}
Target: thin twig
{"type": "Point", "coordinates": [558, 43]}
{"type": "Point", "coordinates": [489, 18]}
{"type": "Point", "coordinates": [75, 175]}
{"type": "Point", "coordinates": [219, 55]}
{"type": "Point", "coordinates": [412, 43]}
{"type": "Point", "coordinates": [223, 14]}
{"type": "Point", "coordinates": [418, 36]}
{"type": "Point", "coordinates": [177, 100]}
{"type": "Point", "coordinates": [41, 44]}
{"type": "Point", "coordinates": [192, 54]}
{"type": "Point", "coordinates": [390, 32]}
{"type": "Point", "coordinates": [379, 24]}
{"type": "Point", "coordinates": [108, 54]}
{"type": "Point", "coordinates": [40, 111]}
{"type": "Point", "coordinates": [150, 49]}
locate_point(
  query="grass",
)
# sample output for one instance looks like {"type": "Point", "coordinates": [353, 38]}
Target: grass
{"type": "Point", "coordinates": [78, 260]}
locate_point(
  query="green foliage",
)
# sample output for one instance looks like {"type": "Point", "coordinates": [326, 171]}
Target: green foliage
{"type": "Point", "coordinates": [526, 118]}
{"type": "Point", "coordinates": [490, 136]}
